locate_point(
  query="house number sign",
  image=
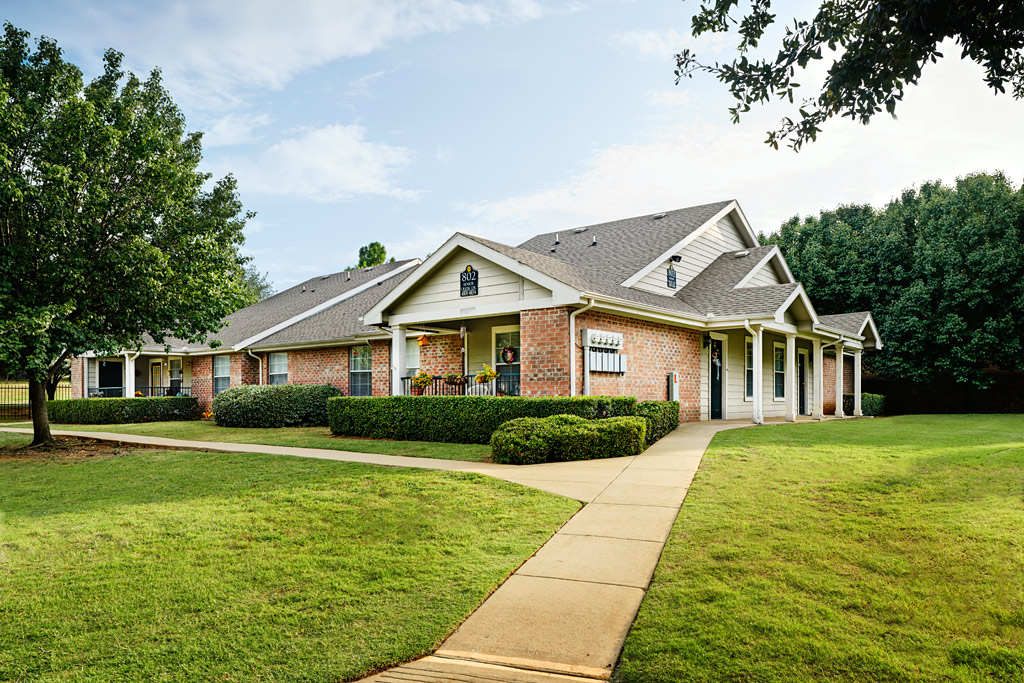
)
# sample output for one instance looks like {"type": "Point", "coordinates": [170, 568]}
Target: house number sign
{"type": "Point", "coordinates": [470, 282]}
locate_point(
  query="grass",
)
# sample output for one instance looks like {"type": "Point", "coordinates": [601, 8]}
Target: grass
{"type": "Point", "coordinates": [305, 437]}
{"type": "Point", "coordinates": [176, 565]}
{"type": "Point", "coordinates": [16, 393]}
{"type": "Point", "coordinates": [868, 550]}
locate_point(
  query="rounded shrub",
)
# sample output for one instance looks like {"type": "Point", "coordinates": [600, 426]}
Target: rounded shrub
{"type": "Point", "coordinates": [662, 417]}
{"type": "Point", "coordinates": [281, 405]}
{"type": "Point", "coordinates": [532, 440]}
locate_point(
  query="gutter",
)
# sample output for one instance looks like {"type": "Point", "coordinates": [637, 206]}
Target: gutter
{"type": "Point", "coordinates": [758, 408]}
{"type": "Point", "coordinates": [572, 345]}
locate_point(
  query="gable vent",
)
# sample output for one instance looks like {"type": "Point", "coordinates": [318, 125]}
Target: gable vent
{"type": "Point", "coordinates": [740, 254]}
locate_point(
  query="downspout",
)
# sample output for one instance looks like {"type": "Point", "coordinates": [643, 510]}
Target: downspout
{"type": "Point", "coordinates": [572, 345]}
{"type": "Point", "coordinates": [259, 360]}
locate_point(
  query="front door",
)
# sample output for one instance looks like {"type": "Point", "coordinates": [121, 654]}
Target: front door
{"type": "Point", "coordinates": [715, 375]}
{"type": "Point", "coordinates": [156, 377]}
{"type": "Point", "coordinates": [802, 382]}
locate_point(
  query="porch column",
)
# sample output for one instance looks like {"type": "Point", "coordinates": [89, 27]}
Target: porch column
{"type": "Point", "coordinates": [397, 359]}
{"type": "Point", "coordinates": [839, 380]}
{"type": "Point", "coordinates": [129, 376]}
{"type": "Point", "coordinates": [856, 384]}
{"type": "Point", "coordinates": [758, 407]}
{"type": "Point", "coordinates": [819, 384]}
{"type": "Point", "coordinates": [791, 391]}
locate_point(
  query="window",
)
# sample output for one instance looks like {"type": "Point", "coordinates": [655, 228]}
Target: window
{"type": "Point", "coordinates": [780, 371]}
{"type": "Point", "coordinates": [360, 376]}
{"type": "Point", "coordinates": [507, 356]}
{"type": "Point", "coordinates": [221, 373]}
{"type": "Point", "coordinates": [749, 374]}
{"type": "Point", "coordinates": [278, 368]}
{"type": "Point", "coordinates": [412, 357]}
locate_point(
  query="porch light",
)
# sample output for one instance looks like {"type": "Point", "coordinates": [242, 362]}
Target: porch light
{"type": "Point", "coordinates": [706, 339]}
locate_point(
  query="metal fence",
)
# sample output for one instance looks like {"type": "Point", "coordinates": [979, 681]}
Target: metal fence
{"type": "Point", "coordinates": [503, 385]}
{"type": "Point", "coordinates": [14, 403]}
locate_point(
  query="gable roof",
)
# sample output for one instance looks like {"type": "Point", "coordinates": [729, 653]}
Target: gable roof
{"type": "Point", "coordinates": [860, 324]}
{"type": "Point", "coordinates": [624, 247]}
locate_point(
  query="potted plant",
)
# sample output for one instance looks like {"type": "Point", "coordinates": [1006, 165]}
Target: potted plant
{"type": "Point", "coordinates": [486, 376]}
{"type": "Point", "coordinates": [421, 382]}
{"type": "Point", "coordinates": [455, 379]}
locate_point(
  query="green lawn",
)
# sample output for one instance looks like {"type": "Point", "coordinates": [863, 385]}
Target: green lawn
{"type": "Point", "coordinates": [307, 437]}
{"type": "Point", "coordinates": [174, 565]}
{"type": "Point", "coordinates": [869, 550]}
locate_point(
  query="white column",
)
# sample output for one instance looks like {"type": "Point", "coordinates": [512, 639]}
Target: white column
{"type": "Point", "coordinates": [129, 376]}
{"type": "Point", "coordinates": [839, 380]}
{"type": "Point", "coordinates": [397, 359]}
{"type": "Point", "coordinates": [856, 384]}
{"type": "Point", "coordinates": [819, 384]}
{"type": "Point", "coordinates": [758, 406]}
{"type": "Point", "coordinates": [791, 392]}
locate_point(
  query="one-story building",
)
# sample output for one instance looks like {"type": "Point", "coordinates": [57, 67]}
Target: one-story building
{"type": "Point", "coordinates": [682, 305]}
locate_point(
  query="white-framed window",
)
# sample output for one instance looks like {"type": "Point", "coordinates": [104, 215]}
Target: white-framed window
{"type": "Point", "coordinates": [221, 373]}
{"type": "Point", "coordinates": [748, 365]}
{"type": "Point", "coordinates": [360, 371]}
{"type": "Point", "coordinates": [412, 357]}
{"type": "Point", "coordinates": [277, 364]}
{"type": "Point", "coordinates": [779, 351]}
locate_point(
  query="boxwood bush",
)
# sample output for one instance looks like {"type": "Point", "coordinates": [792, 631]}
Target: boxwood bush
{"type": "Point", "coordinates": [531, 440]}
{"type": "Point", "coordinates": [870, 404]}
{"type": "Point", "coordinates": [457, 419]}
{"type": "Point", "coordinates": [662, 417]}
{"type": "Point", "coordinates": [280, 405]}
{"type": "Point", "coordinates": [107, 411]}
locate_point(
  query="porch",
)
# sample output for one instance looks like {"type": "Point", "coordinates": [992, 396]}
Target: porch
{"type": "Point", "coordinates": [137, 375]}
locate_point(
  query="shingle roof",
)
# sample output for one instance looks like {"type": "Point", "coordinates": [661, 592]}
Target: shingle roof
{"type": "Point", "coordinates": [845, 322]}
{"type": "Point", "coordinates": [624, 246]}
{"type": "Point", "coordinates": [243, 324]}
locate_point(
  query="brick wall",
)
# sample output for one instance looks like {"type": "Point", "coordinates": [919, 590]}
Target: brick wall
{"type": "Point", "coordinates": [316, 366]}
{"type": "Point", "coordinates": [441, 354]}
{"type": "Point", "coordinates": [77, 378]}
{"type": "Point", "coordinates": [653, 351]}
{"type": "Point", "coordinates": [829, 379]}
{"type": "Point", "coordinates": [202, 381]}
{"type": "Point", "coordinates": [544, 339]}
{"type": "Point", "coordinates": [848, 375]}
{"type": "Point", "coordinates": [381, 367]}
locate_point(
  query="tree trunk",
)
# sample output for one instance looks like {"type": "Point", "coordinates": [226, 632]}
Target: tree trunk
{"type": "Point", "coordinates": [51, 386]}
{"type": "Point", "coordinates": [40, 415]}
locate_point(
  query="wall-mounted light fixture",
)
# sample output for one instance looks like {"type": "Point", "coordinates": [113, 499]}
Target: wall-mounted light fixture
{"type": "Point", "coordinates": [706, 340]}
{"type": "Point", "coordinates": [676, 258]}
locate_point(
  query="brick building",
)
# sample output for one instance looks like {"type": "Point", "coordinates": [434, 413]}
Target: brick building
{"type": "Point", "coordinates": [684, 304]}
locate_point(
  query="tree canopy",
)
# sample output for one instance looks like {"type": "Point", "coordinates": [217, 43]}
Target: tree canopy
{"type": "Point", "coordinates": [373, 254]}
{"type": "Point", "coordinates": [256, 285]}
{"type": "Point", "coordinates": [940, 268]}
{"type": "Point", "coordinates": [877, 48]}
{"type": "Point", "coordinates": [108, 231]}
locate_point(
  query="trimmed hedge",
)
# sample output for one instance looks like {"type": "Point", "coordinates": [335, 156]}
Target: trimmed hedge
{"type": "Point", "coordinates": [108, 411]}
{"type": "Point", "coordinates": [662, 417]}
{"type": "Point", "coordinates": [457, 419]}
{"type": "Point", "coordinates": [870, 404]}
{"type": "Point", "coordinates": [531, 440]}
{"type": "Point", "coordinates": [274, 405]}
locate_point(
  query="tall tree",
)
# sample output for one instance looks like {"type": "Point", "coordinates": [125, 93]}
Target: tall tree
{"type": "Point", "coordinates": [373, 254]}
{"type": "Point", "coordinates": [940, 268]}
{"type": "Point", "coordinates": [877, 48]}
{"type": "Point", "coordinates": [256, 284]}
{"type": "Point", "coordinates": [106, 232]}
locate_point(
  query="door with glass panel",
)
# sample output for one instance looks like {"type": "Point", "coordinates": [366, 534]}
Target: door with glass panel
{"type": "Point", "coordinates": [507, 352]}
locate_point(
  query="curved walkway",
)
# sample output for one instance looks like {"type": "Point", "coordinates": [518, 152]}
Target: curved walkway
{"type": "Point", "coordinates": [565, 613]}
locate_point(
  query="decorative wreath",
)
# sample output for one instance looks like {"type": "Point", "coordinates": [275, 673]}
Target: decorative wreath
{"type": "Point", "coordinates": [508, 354]}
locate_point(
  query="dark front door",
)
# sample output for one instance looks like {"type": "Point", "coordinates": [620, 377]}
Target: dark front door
{"type": "Point", "coordinates": [715, 375]}
{"type": "Point", "coordinates": [801, 366]}
{"type": "Point", "coordinates": [110, 378]}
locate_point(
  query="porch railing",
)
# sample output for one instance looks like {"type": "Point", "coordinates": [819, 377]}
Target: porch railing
{"type": "Point", "coordinates": [150, 392]}
{"type": "Point", "coordinates": [105, 392]}
{"type": "Point", "coordinates": [503, 385]}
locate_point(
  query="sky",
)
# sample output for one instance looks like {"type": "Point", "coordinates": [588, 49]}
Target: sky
{"type": "Point", "coordinates": [403, 122]}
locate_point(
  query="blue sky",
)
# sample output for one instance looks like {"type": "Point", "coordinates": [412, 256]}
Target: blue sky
{"type": "Point", "coordinates": [347, 122]}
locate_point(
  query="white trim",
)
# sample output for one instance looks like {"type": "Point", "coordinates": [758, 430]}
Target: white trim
{"type": "Point", "coordinates": [799, 292]}
{"type": "Point", "coordinates": [724, 338]}
{"type": "Point", "coordinates": [779, 345]}
{"type": "Point", "coordinates": [561, 293]}
{"type": "Point", "coordinates": [773, 253]}
{"type": "Point", "coordinates": [270, 358]}
{"type": "Point", "coordinates": [729, 208]}
{"type": "Point", "coordinates": [869, 321]}
{"type": "Point", "coordinates": [747, 339]}
{"type": "Point", "coordinates": [470, 312]}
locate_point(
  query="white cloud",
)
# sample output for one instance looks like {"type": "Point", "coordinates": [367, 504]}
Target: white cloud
{"type": "Point", "coordinates": [950, 125]}
{"type": "Point", "coordinates": [663, 44]}
{"type": "Point", "coordinates": [234, 129]}
{"type": "Point", "coordinates": [326, 164]}
{"type": "Point", "coordinates": [671, 98]}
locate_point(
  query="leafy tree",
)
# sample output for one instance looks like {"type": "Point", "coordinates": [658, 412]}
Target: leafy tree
{"type": "Point", "coordinates": [373, 254]}
{"type": "Point", "coordinates": [257, 285]}
{"type": "Point", "coordinates": [877, 48]}
{"type": "Point", "coordinates": [106, 232]}
{"type": "Point", "coordinates": [940, 268]}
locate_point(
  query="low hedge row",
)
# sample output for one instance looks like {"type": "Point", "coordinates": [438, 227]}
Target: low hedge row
{"type": "Point", "coordinates": [662, 417]}
{"type": "Point", "coordinates": [457, 419]}
{"type": "Point", "coordinates": [280, 405]}
{"type": "Point", "coordinates": [532, 440]}
{"type": "Point", "coordinates": [870, 404]}
{"type": "Point", "coordinates": [107, 411]}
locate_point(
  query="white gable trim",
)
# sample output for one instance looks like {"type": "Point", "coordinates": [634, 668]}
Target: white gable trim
{"type": "Point", "coordinates": [869, 322]}
{"type": "Point", "coordinates": [561, 292]}
{"type": "Point", "coordinates": [729, 208]}
{"type": "Point", "coordinates": [773, 254]}
{"type": "Point", "coordinates": [798, 293]}
{"type": "Point", "coordinates": [320, 307]}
